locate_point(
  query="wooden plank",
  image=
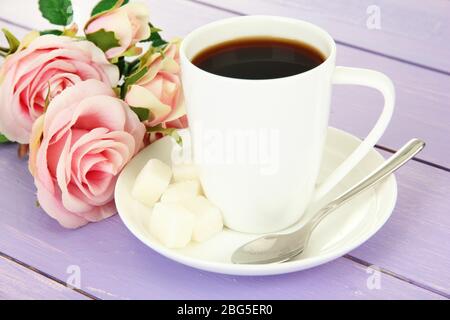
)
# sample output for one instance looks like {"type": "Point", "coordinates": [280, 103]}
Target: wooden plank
{"type": "Point", "coordinates": [114, 264]}
{"type": "Point", "coordinates": [20, 283]}
{"type": "Point", "coordinates": [413, 31]}
{"type": "Point", "coordinates": [423, 96]}
{"type": "Point", "coordinates": [414, 243]}
{"type": "Point", "coordinates": [408, 30]}
{"type": "Point", "coordinates": [109, 247]}
{"type": "Point", "coordinates": [422, 105]}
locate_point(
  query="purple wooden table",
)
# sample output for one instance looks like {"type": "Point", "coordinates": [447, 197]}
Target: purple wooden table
{"type": "Point", "coordinates": [411, 254]}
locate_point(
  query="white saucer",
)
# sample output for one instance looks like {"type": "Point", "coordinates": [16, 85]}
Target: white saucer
{"type": "Point", "coordinates": [340, 233]}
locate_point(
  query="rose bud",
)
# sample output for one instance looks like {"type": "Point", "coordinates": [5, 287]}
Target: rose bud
{"type": "Point", "coordinates": [129, 23]}
{"type": "Point", "coordinates": [160, 90]}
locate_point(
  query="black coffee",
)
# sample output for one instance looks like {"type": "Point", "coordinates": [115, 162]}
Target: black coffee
{"type": "Point", "coordinates": [259, 58]}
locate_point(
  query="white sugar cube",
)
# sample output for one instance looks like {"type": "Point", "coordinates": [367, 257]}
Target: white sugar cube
{"type": "Point", "coordinates": [183, 172]}
{"type": "Point", "coordinates": [208, 218]}
{"type": "Point", "coordinates": [171, 224]}
{"type": "Point", "coordinates": [181, 191]}
{"type": "Point", "coordinates": [151, 182]}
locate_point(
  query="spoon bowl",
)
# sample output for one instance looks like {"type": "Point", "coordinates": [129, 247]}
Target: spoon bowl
{"type": "Point", "coordinates": [277, 248]}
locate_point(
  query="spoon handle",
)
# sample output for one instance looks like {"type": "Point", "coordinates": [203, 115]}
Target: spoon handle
{"type": "Point", "coordinates": [393, 163]}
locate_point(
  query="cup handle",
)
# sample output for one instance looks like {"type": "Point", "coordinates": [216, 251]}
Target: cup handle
{"type": "Point", "coordinates": [372, 79]}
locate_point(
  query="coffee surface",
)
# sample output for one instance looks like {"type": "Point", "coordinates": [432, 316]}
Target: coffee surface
{"type": "Point", "coordinates": [259, 58]}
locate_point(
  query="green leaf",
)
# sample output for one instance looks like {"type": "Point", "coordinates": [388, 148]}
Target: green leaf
{"type": "Point", "coordinates": [3, 139]}
{"type": "Point", "coordinates": [132, 79]}
{"type": "Point", "coordinates": [53, 31]}
{"type": "Point", "coordinates": [133, 66]}
{"type": "Point", "coordinates": [155, 38]}
{"type": "Point", "coordinates": [103, 39]}
{"type": "Point", "coordinates": [13, 42]}
{"type": "Point", "coordinates": [157, 41]}
{"type": "Point", "coordinates": [122, 64]}
{"type": "Point", "coordinates": [59, 12]}
{"type": "Point", "coordinates": [177, 137]}
{"type": "Point", "coordinates": [145, 58]}
{"type": "Point", "coordinates": [142, 113]}
{"type": "Point", "coordinates": [106, 5]}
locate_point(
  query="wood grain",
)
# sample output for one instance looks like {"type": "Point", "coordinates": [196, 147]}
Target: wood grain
{"type": "Point", "coordinates": [413, 31]}
{"type": "Point", "coordinates": [423, 96]}
{"type": "Point", "coordinates": [414, 242]}
{"type": "Point", "coordinates": [114, 264]}
{"type": "Point", "coordinates": [18, 282]}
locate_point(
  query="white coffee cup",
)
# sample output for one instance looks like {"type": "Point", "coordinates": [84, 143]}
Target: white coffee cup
{"type": "Point", "coordinates": [287, 117]}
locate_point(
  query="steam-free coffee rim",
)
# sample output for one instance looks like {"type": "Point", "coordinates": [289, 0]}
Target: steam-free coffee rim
{"type": "Point", "coordinates": [324, 35]}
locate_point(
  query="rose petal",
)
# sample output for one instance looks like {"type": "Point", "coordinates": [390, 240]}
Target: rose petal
{"type": "Point", "coordinates": [88, 135]}
{"type": "Point", "coordinates": [50, 202]}
{"type": "Point", "coordinates": [117, 22]}
{"type": "Point", "coordinates": [26, 75]}
{"type": "Point", "coordinates": [138, 96]}
{"type": "Point", "coordinates": [138, 12]}
{"type": "Point", "coordinates": [99, 111]}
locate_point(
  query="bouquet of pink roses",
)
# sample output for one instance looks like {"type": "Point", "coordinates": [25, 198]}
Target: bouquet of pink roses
{"type": "Point", "coordinates": [84, 103]}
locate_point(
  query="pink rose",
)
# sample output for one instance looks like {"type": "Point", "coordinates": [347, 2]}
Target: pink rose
{"type": "Point", "coordinates": [160, 89]}
{"type": "Point", "coordinates": [129, 24]}
{"type": "Point", "coordinates": [32, 77]}
{"type": "Point", "coordinates": [179, 123]}
{"type": "Point", "coordinates": [78, 148]}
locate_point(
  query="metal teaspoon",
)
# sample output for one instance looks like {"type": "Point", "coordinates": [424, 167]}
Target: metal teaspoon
{"type": "Point", "coordinates": [275, 248]}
